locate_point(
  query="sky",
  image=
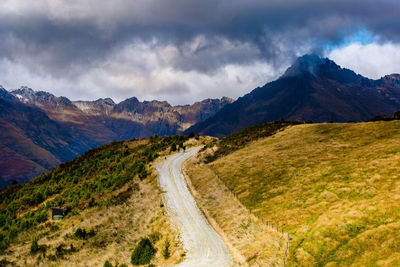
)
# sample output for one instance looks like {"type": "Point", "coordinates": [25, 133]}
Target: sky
{"type": "Point", "coordinates": [183, 50]}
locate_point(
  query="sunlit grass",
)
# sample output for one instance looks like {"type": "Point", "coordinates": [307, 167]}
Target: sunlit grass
{"type": "Point", "coordinates": [334, 187]}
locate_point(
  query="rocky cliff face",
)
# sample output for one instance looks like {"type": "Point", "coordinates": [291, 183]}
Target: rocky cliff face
{"type": "Point", "coordinates": [40, 130]}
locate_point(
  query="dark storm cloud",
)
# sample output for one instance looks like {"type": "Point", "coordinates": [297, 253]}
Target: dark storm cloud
{"type": "Point", "coordinates": [271, 26]}
{"type": "Point", "coordinates": [64, 39]}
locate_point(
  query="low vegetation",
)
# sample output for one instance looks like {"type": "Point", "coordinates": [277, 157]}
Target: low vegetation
{"type": "Point", "coordinates": [143, 252]}
{"type": "Point", "coordinates": [395, 116]}
{"type": "Point", "coordinates": [117, 180]}
{"type": "Point", "coordinates": [78, 184]}
{"type": "Point", "coordinates": [166, 253]}
{"type": "Point", "coordinates": [334, 187]}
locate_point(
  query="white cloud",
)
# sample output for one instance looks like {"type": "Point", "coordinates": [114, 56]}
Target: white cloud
{"type": "Point", "coordinates": [145, 70]}
{"type": "Point", "coordinates": [181, 50]}
{"type": "Point", "coordinates": [371, 60]}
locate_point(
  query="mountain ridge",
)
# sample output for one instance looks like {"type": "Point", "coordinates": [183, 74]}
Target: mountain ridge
{"type": "Point", "coordinates": [62, 129]}
{"type": "Point", "coordinates": [312, 89]}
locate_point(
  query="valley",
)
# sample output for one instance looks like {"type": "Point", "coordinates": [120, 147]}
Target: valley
{"type": "Point", "coordinates": [330, 191]}
{"type": "Point", "coordinates": [40, 131]}
{"type": "Point", "coordinates": [199, 133]}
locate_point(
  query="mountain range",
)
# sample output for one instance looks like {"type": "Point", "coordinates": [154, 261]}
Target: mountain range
{"type": "Point", "coordinates": [312, 89]}
{"type": "Point", "coordinates": [40, 130]}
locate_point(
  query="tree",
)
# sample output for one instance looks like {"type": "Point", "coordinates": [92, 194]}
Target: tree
{"type": "Point", "coordinates": [143, 252]}
{"type": "Point", "coordinates": [173, 147]}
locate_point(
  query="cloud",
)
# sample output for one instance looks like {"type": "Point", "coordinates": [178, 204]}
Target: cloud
{"type": "Point", "coordinates": [145, 70]}
{"type": "Point", "coordinates": [152, 48]}
{"type": "Point", "coordinates": [371, 60]}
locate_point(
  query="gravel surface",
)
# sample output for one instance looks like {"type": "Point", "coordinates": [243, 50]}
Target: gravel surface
{"type": "Point", "coordinates": [203, 245]}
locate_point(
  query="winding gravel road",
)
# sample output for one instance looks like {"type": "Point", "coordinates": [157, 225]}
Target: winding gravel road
{"type": "Point", "coordinates": [204, 247]}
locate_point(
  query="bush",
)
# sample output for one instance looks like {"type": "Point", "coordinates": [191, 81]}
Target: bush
{"type": "Point", "coordinates": [107, 263]}
{"type": "Point", "coordinates": [82, 234]}
{"type": "Point", "coordinates": [173, 147]}
{"type": "Point", "coordinates": [143, 252]}
{"type": "Point", "coordinates": [41, 216]}
{"type": "Point", "coordinates": [166, 253]}
{"type": "Point", "coordinates": [35, 247]}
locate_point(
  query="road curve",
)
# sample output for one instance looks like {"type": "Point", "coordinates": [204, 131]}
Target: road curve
{"type": "Point", "coordinates": [203, 245]}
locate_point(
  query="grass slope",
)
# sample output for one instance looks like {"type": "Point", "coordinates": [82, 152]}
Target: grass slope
{"type": "Point", "coordinates": [250, 240]}
{"type": "Point", "coordinates": [334, 187]}
{"type": "Point", "coordinates": [239, 139]}
{"type": "Point", "coordinates": [110, 192]}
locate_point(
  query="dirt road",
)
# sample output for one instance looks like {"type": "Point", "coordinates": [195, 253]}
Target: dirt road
{"type": "Point", "coordinates": [204, 247]}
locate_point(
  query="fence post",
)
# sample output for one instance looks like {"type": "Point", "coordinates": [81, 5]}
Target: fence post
{"type": "Point", "coordinates": [287, 248]}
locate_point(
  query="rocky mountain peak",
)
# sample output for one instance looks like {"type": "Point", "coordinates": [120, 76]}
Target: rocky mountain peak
{"type": "Point", "coordinates": [4, 94]}
{"type": "Point", "coordinates": [310, 64]}
{"type": "Point", "coordinates": [24, 93]}
{"type": "Point", "coordinates": [391, 80]}
{"type": "Point", "coordinates": [227, 100]}
{"type": "Point", "coordinates": [321, 68]}
{"type": "Point", "coordinates": [29, 96]}
{"type": "Point", "coordinates": [105, 101]}
{"type": "Point", "coordinates": [392, 77]}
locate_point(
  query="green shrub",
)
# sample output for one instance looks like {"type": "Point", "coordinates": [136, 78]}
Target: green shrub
{"type": "Point", "coordinates": [35, 247]}
{"type": "Point", "coordinates": [12, 232]}
{"type": "Point", "coordinates": [5, 262]}
{"type": "Point", "coordinates": [80, 233]}
{"type": "Point", "coordinates": [173, 147]}
{"type": "Point", "coordinates": [166, 253]}
{"type": "Point", "coordinates": [79, 184]}
{"type": "Point", "coordinates": [143, 252]}
{"type": "Point", "coordinates": [107, 263]}
{"type": "Point", "coordinates": [83, 234]}
{"type": "Point", "coordinates": [41, 216]}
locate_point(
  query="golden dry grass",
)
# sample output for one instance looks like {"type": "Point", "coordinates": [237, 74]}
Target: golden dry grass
{"type": "Point", "coordinates": [250, 241]}
{"type": "Point", "coordinates": [334, 187]}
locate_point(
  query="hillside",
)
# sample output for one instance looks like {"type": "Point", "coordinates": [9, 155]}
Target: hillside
{"type": "Point", "coordinates": [111, 199]}
{"type": "Point", "coordinates": [333, 187]}
{"type": "Point", "coordinates": [40, 130]}
{"type": "Point", "coordinates": [312, 89]}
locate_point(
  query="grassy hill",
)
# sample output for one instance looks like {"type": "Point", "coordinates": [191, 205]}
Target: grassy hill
{"type": "Point", "coordinates": [111, 199]}
{"type": "Point", "coordinates": [334, 187]}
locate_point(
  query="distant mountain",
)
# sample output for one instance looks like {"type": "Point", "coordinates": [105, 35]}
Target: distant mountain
{"type": "Point", "coordinates": [312, 89]}
{"type": "Point", "coordinates": [38, 130]}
